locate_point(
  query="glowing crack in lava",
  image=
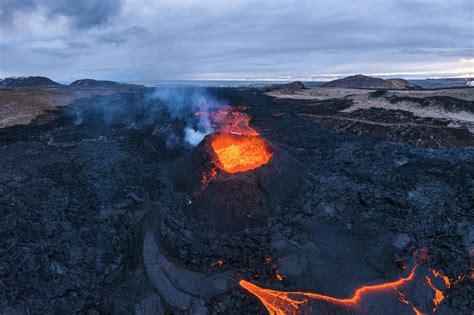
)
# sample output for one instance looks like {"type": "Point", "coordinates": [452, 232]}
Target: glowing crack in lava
{"type": "Point", "coordinates": [439, 296]}
{"type": "Point", "coordinates": [238, 146]}
{"type": "Point", "coordinates": [284, 303]}
{"type": "Point", "coordinates": [240, 153]}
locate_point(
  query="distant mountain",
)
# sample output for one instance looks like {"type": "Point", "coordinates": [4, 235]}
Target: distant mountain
{"type": "Point", "coordinates": [22, 82]}
{"type": "Point", "coordinates": [93, 83]}
{"type": "Point", "coordinates": [444, 83]}
{"type": "Point", "coordinates": [287, 88]}
{"type": "Point", "coordinates": [364, 82]}
{"type": "Point", "coordinates": [297, 85]}
{"type": "Point", "coordinates": [90, 83]}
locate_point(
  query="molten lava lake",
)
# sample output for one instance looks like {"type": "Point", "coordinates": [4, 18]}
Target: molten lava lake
{"type": "Point", "coordinates": [240, 153]}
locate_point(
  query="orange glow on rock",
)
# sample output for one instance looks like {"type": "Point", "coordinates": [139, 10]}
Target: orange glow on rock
{"type": "Point", "coordinates": [226, 120]}
{"type": "Point", "coordinates": [278, 276]}
{"type": "Point", "coordinates": [283, 303]}
{"type": "Point", "coordinates": [206, 178]}
{"type": "Point", "coordinates": [402, 299]}
{"type": "Point", "coordinates": [240, 153]}
{"type": "Point", "coordinates": [439, 296]}
{"type": "Point", "coordinates": [417, 311]}
{"type": "Point", "coordinates": [446, 280]}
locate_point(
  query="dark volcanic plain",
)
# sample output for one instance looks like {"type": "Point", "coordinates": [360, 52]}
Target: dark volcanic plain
{"type": "Point", "coordinates": [88, 209]}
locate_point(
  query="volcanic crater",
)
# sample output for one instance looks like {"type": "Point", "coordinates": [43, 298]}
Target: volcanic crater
{"type": "Point", "coordinates": [235, 180]}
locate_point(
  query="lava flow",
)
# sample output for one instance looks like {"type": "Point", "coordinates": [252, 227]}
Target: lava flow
{"type": "Point", "coordinates": [284, 303]}
{"type": "Point", "coordinates": [238, 146]}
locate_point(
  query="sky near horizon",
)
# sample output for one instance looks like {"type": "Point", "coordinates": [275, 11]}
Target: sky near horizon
{"type": "Point", "coordinates": [136, 40]}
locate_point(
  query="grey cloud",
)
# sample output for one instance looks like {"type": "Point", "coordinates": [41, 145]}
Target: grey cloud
{"type": "Point", "coordinates": [85, 14]}
{"type": "Point", "coordinates": [70, 50]}
{"type": "Point", "coordinates": [78, 45]}
{"type": "Point", "coordinates": [121, 36]}
{"type": "Point", "coordinates": [111, 38]}
{"type": "Point", "coordinates": [53, 53]}
{"type": "Point", "coordinates": [244, 38]}
{"type": "Point", "coordinates": [82, 14]}
{"type": "Point", "coordinates": [440, 52]}
{"type": "Point", "coordinates": [8, 9]}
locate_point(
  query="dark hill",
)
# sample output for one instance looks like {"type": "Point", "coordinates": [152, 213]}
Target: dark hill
{"type": "Point", "coordinates": [22, 82]}
{"type": "Point", "coordinates": [94, 83]}
{"type": "Point", "coordinates": [287, 88]}
{"type": "Point", "coordinates": [100, 84]}
{"type": "Point", "coordinates": [296, 85]}
{"type": "Point", "coordinates": [364, 82]}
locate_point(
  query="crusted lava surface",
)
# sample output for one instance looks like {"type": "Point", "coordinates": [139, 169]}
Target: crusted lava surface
{"type": "Point", "coordinates": [103, 213]}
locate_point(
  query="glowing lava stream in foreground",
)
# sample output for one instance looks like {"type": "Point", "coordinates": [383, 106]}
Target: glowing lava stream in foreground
{"type": "Point", "coordinates": [284, 303]}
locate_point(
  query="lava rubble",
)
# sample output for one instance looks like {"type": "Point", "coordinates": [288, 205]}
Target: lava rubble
{"type": "Point", "coordinates": [103, 216]}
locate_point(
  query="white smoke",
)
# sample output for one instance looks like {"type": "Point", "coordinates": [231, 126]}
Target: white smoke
{"type": "Point", "coordinates": [193, 137]}
{"type": "Point", "coordinates": [183, 103]}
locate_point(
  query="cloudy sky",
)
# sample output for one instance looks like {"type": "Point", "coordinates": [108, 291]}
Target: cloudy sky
{"type": "Point", "coordinates": [129, 40]}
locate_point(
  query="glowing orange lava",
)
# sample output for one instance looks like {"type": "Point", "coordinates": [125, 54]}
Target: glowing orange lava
{"type": "Point", "coordinates": [283, 303]}
{"type": "Point", "coordinates": [402, 299]}
{"type": "Point", "coordinates": [417, 311]}
{"type": "Point", "coordinates": [239, 153]}
{"type": "Point", "coordinates": [439, 296]}
{"type": "Point", "coordinates": [206, 178]}
{"type": "Point", "coordinates": [278, 276]}
{"type": "Point", "coordinates": [238, 146]}
{"type": "Point", "coordinates": [227, 120]}
{"type": "Point", "coordinates": [446, 280]}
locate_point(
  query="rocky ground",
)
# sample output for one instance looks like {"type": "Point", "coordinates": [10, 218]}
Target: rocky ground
{"type": "Point", "coordinates": [19, 106]}
{"type": "Point", "coordinates": [92, 224]}
{"type": "Point", "coordinates": [425, 118]}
